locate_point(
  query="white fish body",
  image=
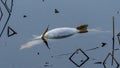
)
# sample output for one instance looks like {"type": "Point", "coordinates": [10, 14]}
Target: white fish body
{"type": "Point", "coordinates": [59, 33]}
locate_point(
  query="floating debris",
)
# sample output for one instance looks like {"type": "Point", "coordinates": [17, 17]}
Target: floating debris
{"type": "Point", "coordinates": [118, 34]}
{"type": "Point", "coordinates": [93, 59]}
{"type": "Point", "coordinates": [52, 56]}
{"type": "Point", "coordinates": [117, 12]}
{"type": "Point", "coordinates": [103, 44]}
{"type": "Point", "coordinates": [98, 62]}
{"type": "Point", "coordinates": [117, 49]}
{"type": "Point", "coordinates": [24, 16]}
{"type": "Point", "coordinates": [64, 54]}
{"type": "Point", "coordinates": [92, 49]}
{"type": "Point", "coordinates": [48, 65]}
{"type": "Point", "coordinates": [43, 0]}
{"type": "Point", "coordinates": [38, 53]}
{"type": "Point", "coordinates": [46, 62]}
{"type": "Point", "coordinates": [56, 11]}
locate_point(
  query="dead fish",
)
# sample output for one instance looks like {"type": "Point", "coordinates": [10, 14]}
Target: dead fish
{"type": "Point", "coordinates": [63, 32]}
{"type": "Point", "coordinates": [57, 33]}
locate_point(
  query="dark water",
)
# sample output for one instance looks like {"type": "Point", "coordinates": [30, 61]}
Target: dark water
{"type": "Point", "coordinates": [31, 17]}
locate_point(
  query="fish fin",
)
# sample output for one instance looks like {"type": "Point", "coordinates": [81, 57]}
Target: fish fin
{"type": "Point", "coordinates": [43, 37]}
{"type": "Point", "coordinates": [46, 30]}
{"type": "Point", "coordinates": [82, 28]}
{"type": "Point", "coordinates": [46, 43]}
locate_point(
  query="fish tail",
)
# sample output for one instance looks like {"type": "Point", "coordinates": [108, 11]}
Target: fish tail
{"type": "Point", "coordinates": [82, 28]}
